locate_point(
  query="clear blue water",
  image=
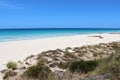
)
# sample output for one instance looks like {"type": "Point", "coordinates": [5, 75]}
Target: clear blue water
{"type": "Point", "coordinates": [24, 34]}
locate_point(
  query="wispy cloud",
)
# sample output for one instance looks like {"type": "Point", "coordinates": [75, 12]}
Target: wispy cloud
{"type": "Point", "coordinates": [9, 5]}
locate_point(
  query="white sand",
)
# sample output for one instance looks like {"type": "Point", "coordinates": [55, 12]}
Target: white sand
{"type": "Point", "coordinates": [19, 50]}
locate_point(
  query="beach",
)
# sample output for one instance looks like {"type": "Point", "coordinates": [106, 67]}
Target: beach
{"type": "Point", "coordinates": [19, 50]}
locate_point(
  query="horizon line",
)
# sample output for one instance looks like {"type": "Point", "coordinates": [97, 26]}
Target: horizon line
{"type": "Point", "coordinates": [53, 28]}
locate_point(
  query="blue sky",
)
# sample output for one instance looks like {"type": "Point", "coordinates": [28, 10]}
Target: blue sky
{"type": "Point", "coordinates": [59, 13]}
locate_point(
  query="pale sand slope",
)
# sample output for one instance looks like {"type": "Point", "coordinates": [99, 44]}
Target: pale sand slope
{"type": "Point", "coordinates": [19, 50]}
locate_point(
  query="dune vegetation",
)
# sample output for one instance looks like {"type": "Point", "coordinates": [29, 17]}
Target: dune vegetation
{"type": "Point", "coordinates": [91, 62]}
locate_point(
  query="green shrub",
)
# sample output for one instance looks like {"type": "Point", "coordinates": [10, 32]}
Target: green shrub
{"type": "Point", "coordinates": [82, 66]}
{"type": "Point", "coordinates": [110, 65]}
{"type": "Point", "coordinates": [63, 65]}
{"type": "Point", "coordinates": [39, 71]}
{"type": "Point", "coordinates": [114, 66]}
{"type": "Point", "coordinates": [115, 71]}
{"type": "Point", "coordinates": [11, 65]}
{"type": "Point", "coordinates": [9, 73]}
{"type": "Point", "coordinates": [118, 58]}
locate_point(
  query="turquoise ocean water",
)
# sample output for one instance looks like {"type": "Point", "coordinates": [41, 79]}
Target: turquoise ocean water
{"type": "Point", "coordinates": [25, 34]}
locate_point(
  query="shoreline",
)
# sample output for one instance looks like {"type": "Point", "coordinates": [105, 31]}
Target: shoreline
{"type": "Point", "coordinates": [19, 50]}
{"type": "Point", "coordinates": [37, 38]}
{"type": "Point", "coordinates": [23, 39]}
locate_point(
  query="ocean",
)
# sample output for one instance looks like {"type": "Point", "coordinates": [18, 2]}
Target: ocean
{"type": "Point", "coordinates": [26, 34]}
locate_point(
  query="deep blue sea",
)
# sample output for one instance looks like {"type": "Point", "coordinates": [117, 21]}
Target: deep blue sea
{"type": "Point", "coordinates": [24, 34]}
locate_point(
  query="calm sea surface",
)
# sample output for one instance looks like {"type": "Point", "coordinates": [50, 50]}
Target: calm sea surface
{"type": "Point", "coordinates": [24, 34]}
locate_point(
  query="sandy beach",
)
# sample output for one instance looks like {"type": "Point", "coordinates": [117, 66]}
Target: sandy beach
{"type": "Point", "coordinates": [19, 50]}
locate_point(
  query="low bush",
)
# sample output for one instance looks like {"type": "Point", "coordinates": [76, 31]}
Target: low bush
{"type": "Point", "coordinates": [82, 66]}
{"type": "Point", "coordinates": [11, 65]}
{"type": "Point", "coordinates": [39, 71]}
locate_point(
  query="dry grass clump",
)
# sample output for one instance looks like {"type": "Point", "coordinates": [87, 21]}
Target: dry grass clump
{"type": "Point", "coordinates": [9, 73]}
{"type": "Point", "coordinates": [68, 48]}
{"type": "Point", "coordinates": [53, 64]}
{"type": "Point", "coordinates": [70, 56]}
{"type": "Point", "coordinates": [43, 60]}
{"type": "Point", "coordinates": [63, 65]}
{"type": "Point", "coordinates": [77, 49]}
{"type": "Point", "coordinates": [29, 57]}
{"type": "Point", "coordinates": [115, 45]}
{"type": "Point", "coordinates": [98, 54]}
